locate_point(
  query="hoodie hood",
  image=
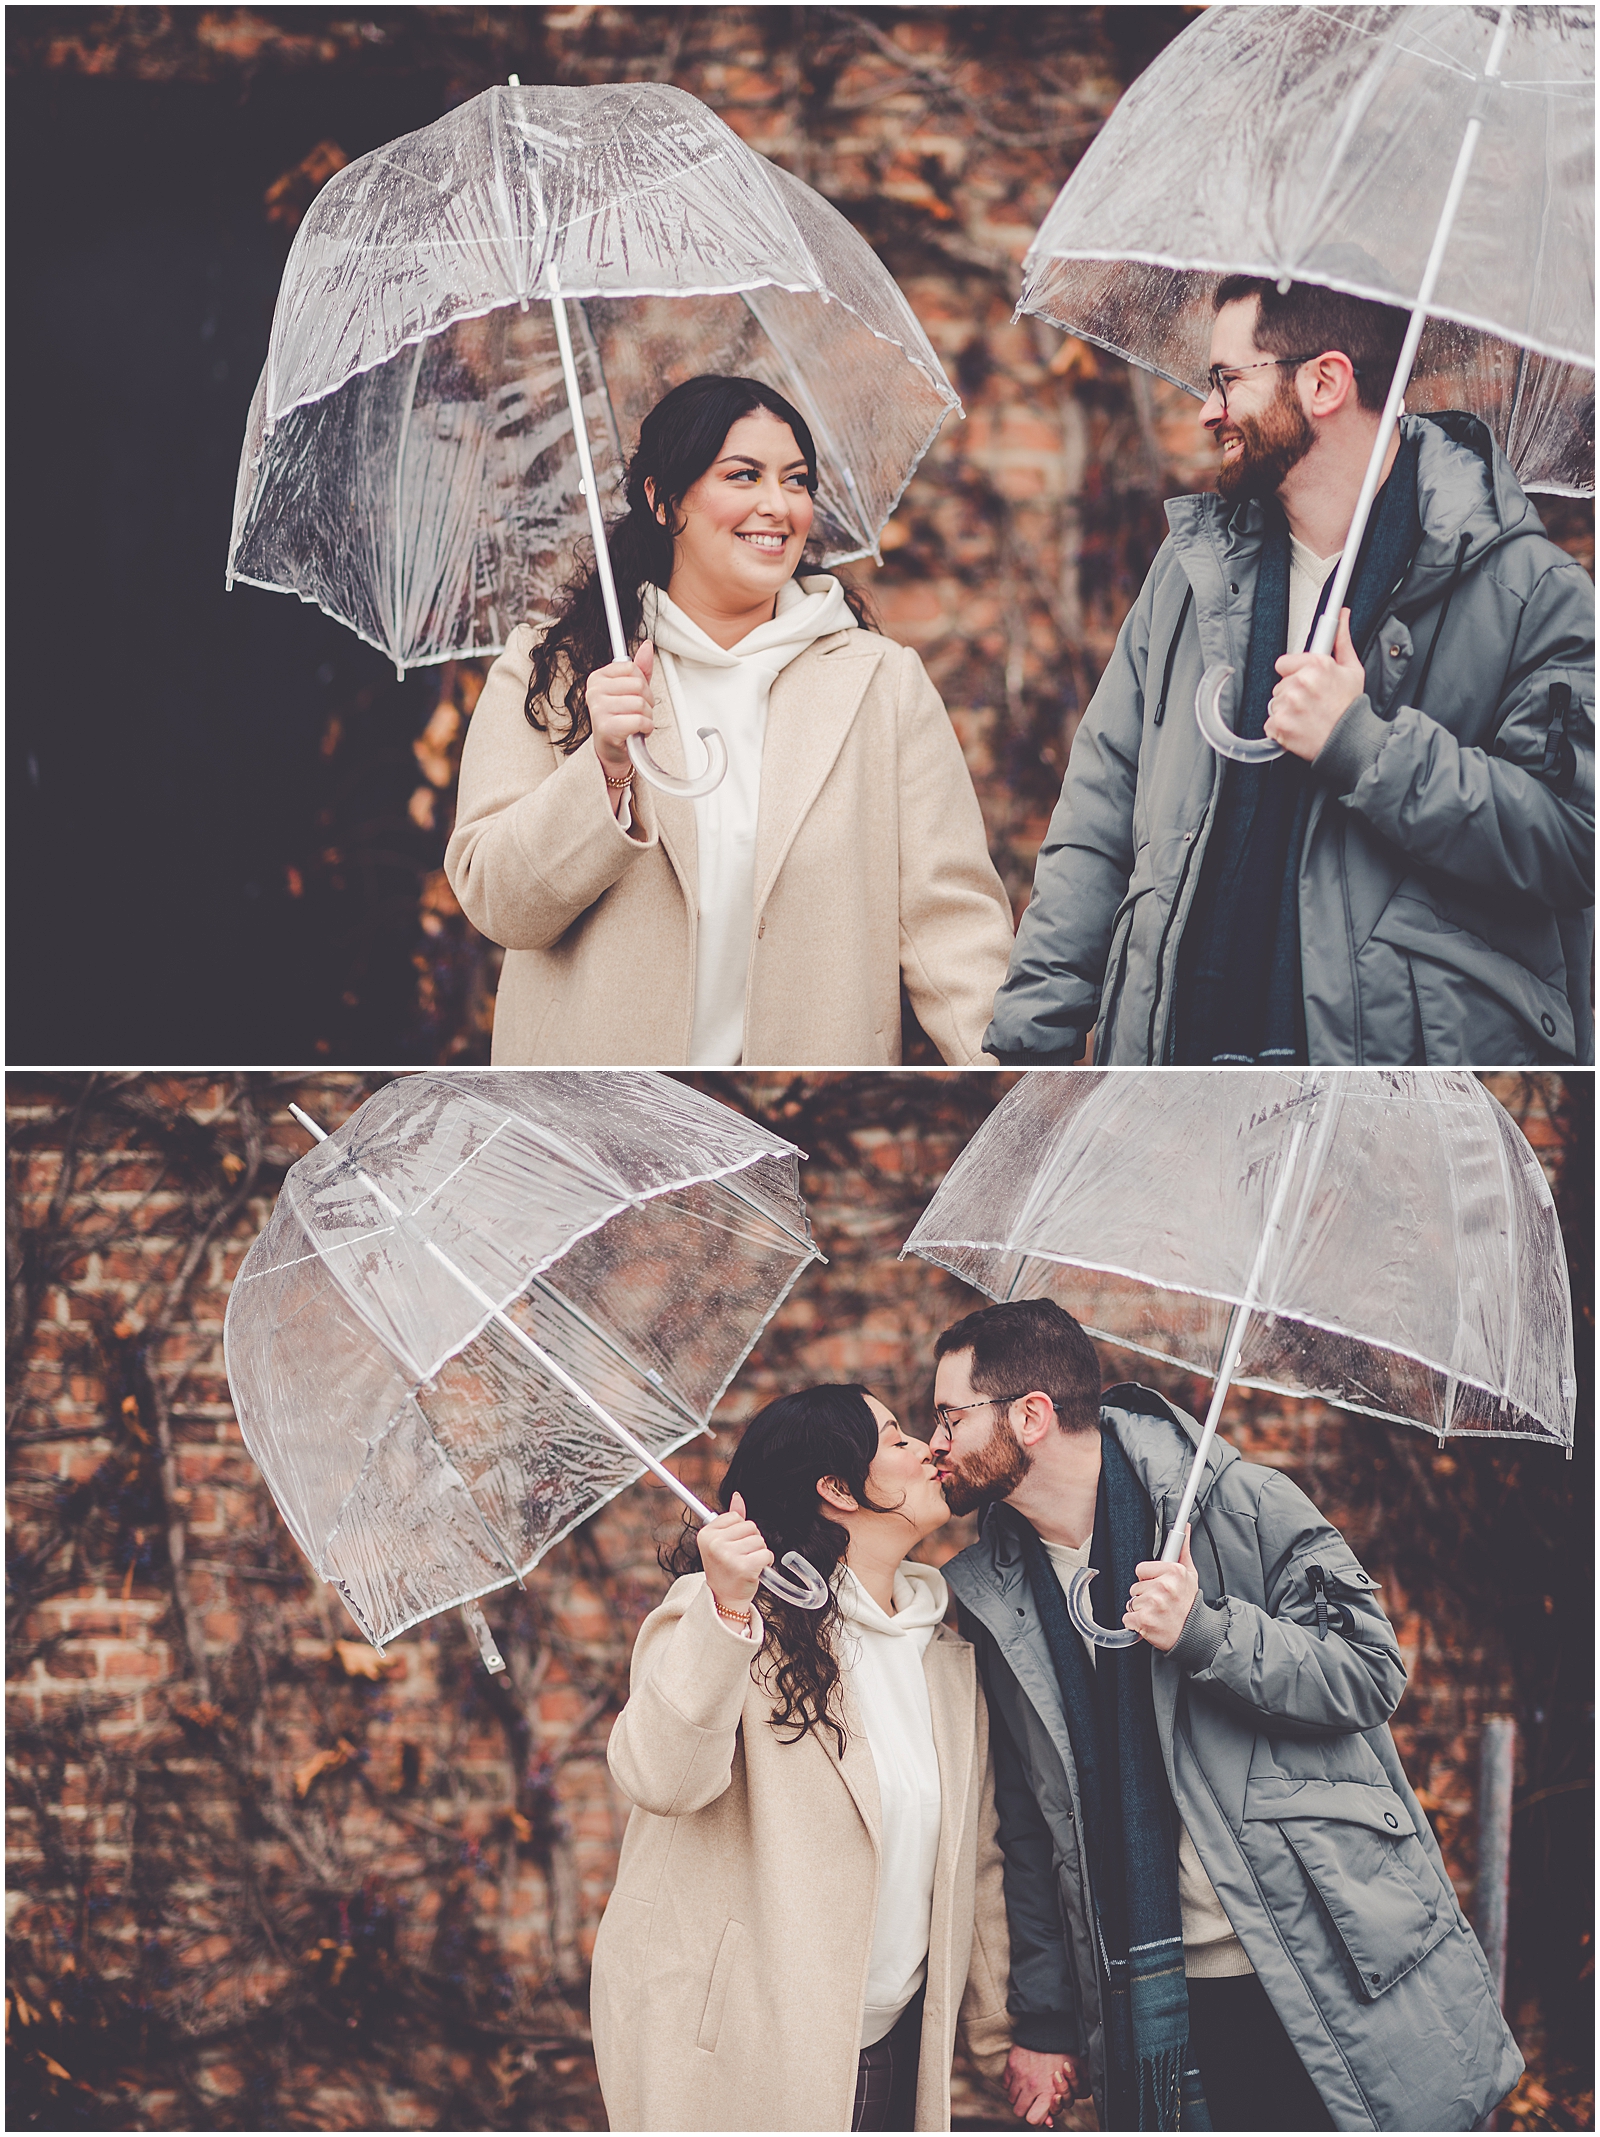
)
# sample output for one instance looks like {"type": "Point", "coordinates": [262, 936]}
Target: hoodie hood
{"type": "Point", "coordinates": [920, 1602]}
{"type": "Point", "coordinates": [806, 610]}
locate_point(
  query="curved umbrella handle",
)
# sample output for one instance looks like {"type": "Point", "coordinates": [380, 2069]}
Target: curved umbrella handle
{"type": "Point", "coordinates": [809, 1591]}
{"type": "Point", "coordinates": [1083, 1617]}
{"type": "Point", "coordinates": [1208, 713]}
{"type": "Point", "coordinates": [686, 789]}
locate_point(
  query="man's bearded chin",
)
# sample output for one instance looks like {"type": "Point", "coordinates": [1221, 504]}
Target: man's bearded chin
{"type": "Point", "coordinates": [994, 1472]}
{"type": "Point", "coordinates": [1272, 445]}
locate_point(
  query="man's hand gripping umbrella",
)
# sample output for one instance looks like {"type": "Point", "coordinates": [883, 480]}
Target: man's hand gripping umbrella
{"type": "Point", "coordinates": [808, 1590]}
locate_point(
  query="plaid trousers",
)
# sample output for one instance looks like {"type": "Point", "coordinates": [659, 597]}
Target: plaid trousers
{"type": "Point", "coordinates": [886, 2075]}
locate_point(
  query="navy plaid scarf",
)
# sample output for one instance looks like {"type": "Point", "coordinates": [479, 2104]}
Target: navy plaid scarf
{"type": "Point", "coordinates": [1152, 2082]}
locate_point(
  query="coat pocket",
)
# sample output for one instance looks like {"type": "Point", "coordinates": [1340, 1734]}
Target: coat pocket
{"type": "Point", "coordinates": [1360, 1854]}
{"type": "Point", "coordinates": [729, 1953]}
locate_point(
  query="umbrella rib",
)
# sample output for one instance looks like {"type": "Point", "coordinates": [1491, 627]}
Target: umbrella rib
{"type": "Point", "coordinates": [1355, 112]}
{"type": "Point", "coordinates": [503, 196]}
{"type": "Point", "coordinates": [777, 1223]}
{"type": "Point", "coordinates": [651, 1378]}
{"type": "Point", "coordinates": [397, 650]}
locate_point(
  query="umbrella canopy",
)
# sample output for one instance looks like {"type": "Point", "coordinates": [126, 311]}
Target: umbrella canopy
{"type": "Point", "coordinates": [639, 1236]}
{"type": "Point", "coordinates": [1317, 144]}
{"type": "Point", "coordinates": [409, 461]}
{"type": "Point", "coordinates": [1389, 1237]}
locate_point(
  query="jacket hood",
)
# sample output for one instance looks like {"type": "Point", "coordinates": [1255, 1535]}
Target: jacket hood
{"type": "Point", "coordinates": [1465, 486]}
{"type": "Point", "coordinates": [1161, 1459]}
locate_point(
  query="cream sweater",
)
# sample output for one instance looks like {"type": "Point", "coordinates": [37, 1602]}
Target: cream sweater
{"type": "Point", "coordinates": [711, 686]}
{"type": "Point", "coordinates": [882, 1657]}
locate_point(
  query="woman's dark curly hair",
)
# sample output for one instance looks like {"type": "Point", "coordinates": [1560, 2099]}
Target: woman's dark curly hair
{"type": "Point", "coordinates": [678, 440]}
{"type": "Point", "coordinates": [817, 1432]}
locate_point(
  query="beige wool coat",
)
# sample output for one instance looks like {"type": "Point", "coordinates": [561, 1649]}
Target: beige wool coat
{"type": "Point", "coordinates": [730, 1969]}
{"type": "Point", "coordinates": [871, 865]}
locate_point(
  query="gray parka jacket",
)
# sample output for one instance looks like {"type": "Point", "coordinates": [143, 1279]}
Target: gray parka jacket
{"type": "Point", "coordinates": [1447, 875]}
{"type": "Point", "coordinates": [1272, 1717]}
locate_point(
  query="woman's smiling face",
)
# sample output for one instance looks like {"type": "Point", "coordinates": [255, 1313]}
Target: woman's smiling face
{"type": "Point", "coordinates": [744, 523]}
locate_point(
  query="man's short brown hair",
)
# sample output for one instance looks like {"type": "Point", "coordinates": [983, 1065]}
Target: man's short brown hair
{"type": "Point", "coordinates": [1308, 319]}
{"type": "Point", "coordinates": [1028, 1344]}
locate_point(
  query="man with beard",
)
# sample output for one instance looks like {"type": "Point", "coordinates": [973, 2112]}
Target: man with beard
{"type": "Point", "coordinates": [1412, 881]}
{"type": "Point", "coordinates": [1226, 1907]}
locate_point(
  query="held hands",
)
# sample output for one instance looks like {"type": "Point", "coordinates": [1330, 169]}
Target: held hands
{"type": "Point", "coordinates": [1316, 690]}
{"type": "Point", "coordinates": [1037, 2083]}
{"type": "Point", "coordinates": [1161, 1598]}
{"type": "Point", "coordinates": [619, 705]}
{"type": "Point", "coordinates": [733, 1554]}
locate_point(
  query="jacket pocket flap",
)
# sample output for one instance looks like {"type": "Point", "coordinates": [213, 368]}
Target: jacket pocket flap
{"type": "Point", "coordinates": [1346, 1802]}
{"type": "Point", "coordinates": [1382, 1895]}
{"type": "Point", "coordinates": [1409, 925]}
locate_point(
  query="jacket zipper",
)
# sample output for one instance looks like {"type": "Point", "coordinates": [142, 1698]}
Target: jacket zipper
{"type": "Point", "coordinates": [1102, 1050]}
{"type": "Point", "coordinates": [1195, 845]}
{"type": "Point", "coordinates": [1319, 1588]}
{"type": "Point", "coordinates": [1172, 656]}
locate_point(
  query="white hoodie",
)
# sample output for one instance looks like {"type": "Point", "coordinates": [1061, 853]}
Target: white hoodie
{"type": "Point", "coordinates": [882, 1660]}
{"type": "Point", "coordinates": [729, 691]}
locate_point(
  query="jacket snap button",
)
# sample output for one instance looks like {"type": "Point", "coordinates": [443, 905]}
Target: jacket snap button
{"type": "Point", "coordinates": [1389, 1818]}
{"type": "Point", "coordinates": [1374, 1979]}
{"type": "Point", "coordinates": [1394, 652]}
{"type": "Point", "coordinates": [1233, 586]}
{"type": "Point", "coordinates": [1548, 1024]}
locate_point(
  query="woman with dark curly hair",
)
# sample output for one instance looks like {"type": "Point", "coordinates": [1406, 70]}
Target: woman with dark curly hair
{"type": "Point", "coordinates": [809, 1895]}
{"type": "Point", "coordinates": [773, 920]}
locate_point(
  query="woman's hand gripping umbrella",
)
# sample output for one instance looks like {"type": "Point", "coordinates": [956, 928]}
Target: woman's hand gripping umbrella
{"type": "Point", "coordinates": [1385, 1243]}
{"type": "Point", "coordinates": [465, 1281]}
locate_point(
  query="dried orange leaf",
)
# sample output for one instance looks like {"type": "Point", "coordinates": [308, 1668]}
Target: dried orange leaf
{"type": "Point", "coordinates": [319, 1762]}
{"type": "Point", "coordinates": [360, 1660]}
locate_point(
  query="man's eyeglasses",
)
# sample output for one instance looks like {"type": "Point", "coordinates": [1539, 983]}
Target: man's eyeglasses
{"type": "Point", "coordinates": [1222, 376]}
{"type": "Point", "coordinates": [948, 1415]}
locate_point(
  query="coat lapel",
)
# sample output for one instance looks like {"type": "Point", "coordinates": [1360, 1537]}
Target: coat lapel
{"type": "Point", "coordinates": [813, 703]}
{"type": "Point", "coordinates": [856, 1769]}
{"type": "Point", "coordinates": [950, 1667]}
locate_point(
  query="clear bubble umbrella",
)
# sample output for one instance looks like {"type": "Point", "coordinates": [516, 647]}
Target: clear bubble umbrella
{"type": "Point", "coordinates": [488, 1304]}
{"type": "Point", "coordinates": [1439, 159]}
{"type": "Point", "coordinates": [1383, 1241]}
{"type": "Point", "coordinates": [474, 319]}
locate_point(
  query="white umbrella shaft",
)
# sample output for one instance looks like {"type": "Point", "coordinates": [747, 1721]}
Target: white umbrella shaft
{"type": "Point", "coordinates": [643, 762]}
{"type": "Point", "coordinates": [1328, 622]}
{"type": "Point", "coordinates": [1172, 1548]}
{"type": "Point", "coordinates": [591, 493]}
